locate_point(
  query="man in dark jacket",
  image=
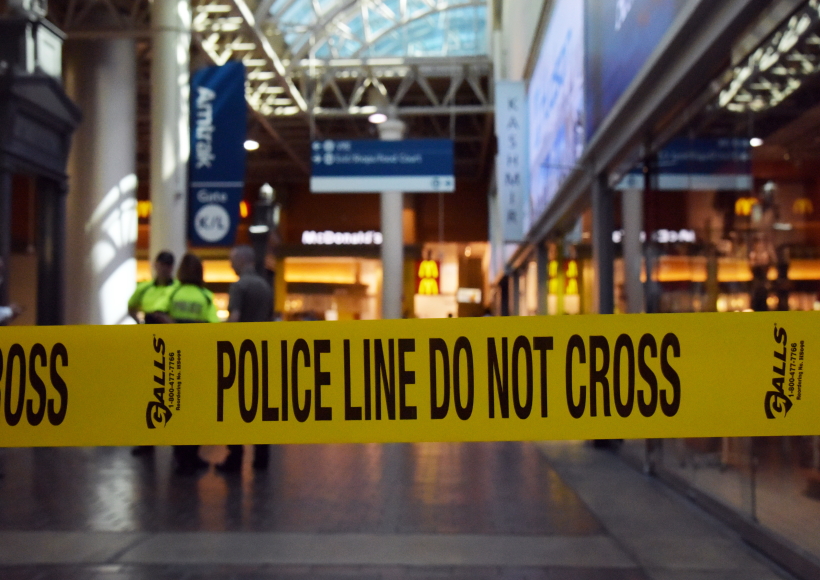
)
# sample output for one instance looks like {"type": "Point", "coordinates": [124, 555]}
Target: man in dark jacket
{"type": "Point", "coordinates": [251, 297]}
{"type": "Point", "coordinates": [250, 300]}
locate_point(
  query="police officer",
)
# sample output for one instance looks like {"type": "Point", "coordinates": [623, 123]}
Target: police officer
{"type": "Point", "coordinates": [151, 297]}
{"type": "Point", "coordinates": [190, 302]}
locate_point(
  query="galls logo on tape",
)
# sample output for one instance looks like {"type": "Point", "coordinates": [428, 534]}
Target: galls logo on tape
{"type": "Point", "coordinates": [788, 375]}
{"type": "Point", "coordinates": [157, 411]}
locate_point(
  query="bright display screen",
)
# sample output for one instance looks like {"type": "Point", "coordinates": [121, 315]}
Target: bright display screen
{"type": "Point", "coordinates": [620, 37]}
{"type": "Point", "coordinates": [556, 104]}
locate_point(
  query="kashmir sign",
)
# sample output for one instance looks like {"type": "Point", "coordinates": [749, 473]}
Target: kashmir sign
{"type": "Point", "coordinates": [371, 165]}
{"type": "Point", "coordinates": [512, 180]}
{"type": "Point", "coordinates": [467, 379]}
{"type": "Point", "coordinates": [217, 166]}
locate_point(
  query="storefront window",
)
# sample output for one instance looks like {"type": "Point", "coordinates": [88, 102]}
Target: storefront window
{"type": "Point", "coordinates": [731, 214]}
{"type": "Point", "coordinates": [740, 234]}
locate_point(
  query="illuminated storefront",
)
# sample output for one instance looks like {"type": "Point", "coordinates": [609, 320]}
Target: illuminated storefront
{"type": "Point", "coordinates": [684, 178]}
{"type": "Point", "coordinates": [752, 244]}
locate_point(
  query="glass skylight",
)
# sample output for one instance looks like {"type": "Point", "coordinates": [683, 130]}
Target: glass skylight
{"type": "Point", "coordinates": [345, 29]}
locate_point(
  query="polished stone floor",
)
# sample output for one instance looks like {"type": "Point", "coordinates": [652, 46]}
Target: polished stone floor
{"type": "Point", "coordinates": [381, 512]}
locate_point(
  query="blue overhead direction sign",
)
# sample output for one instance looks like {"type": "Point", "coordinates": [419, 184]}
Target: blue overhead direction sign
{"type": "Point", "coordinates": [371, 165]}
{"type": "Point", "coordinates": [698, 165]}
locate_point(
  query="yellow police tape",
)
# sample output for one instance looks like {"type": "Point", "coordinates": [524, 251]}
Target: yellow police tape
{"type": "Point", "coordinates": [477, 379]}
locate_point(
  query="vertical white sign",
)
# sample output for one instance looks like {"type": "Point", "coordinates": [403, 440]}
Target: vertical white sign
{"type": "Point", "coordinates": [512, 162]}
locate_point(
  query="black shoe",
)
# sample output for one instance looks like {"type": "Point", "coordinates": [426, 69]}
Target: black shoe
{"type": "Point", "coordinates": [142, 450]}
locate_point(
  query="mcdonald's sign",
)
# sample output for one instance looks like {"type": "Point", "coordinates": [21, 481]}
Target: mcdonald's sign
{"type": "Point", "coordinates": [427, 277]}
{"type": "Point", "coordinates": [572, 278]}
{"type": "Point", "coordinates": [744, 205]}
{"type": "Point", "coordinates": [554, 281]}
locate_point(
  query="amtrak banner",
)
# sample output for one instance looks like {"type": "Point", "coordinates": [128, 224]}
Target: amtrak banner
{"type": "Point", "coordinates": [217, 166]}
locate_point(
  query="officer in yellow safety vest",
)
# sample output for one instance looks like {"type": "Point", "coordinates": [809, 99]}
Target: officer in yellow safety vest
{"type": "Point", "coordinates": [151, 299]}
{"type": "Point", "coordinates": [191, 301]}
{"type": "Point", "coordinates": [151, 296]}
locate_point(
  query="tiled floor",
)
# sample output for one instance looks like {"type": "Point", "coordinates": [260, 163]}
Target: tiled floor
{"type": "Point", "coordinates": [783, 495]}
{"type": "Point", "coordinates": [442, 511]}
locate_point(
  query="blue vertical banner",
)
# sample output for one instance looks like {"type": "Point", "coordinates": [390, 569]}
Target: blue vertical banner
{"type": "Point", "coordinates": [217, 166]}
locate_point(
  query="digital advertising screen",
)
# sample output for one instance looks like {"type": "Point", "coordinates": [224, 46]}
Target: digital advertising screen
{"type": "Point", "coordinates": [620, 37]}
{"type": "Point", "coordinates": [556, 105]}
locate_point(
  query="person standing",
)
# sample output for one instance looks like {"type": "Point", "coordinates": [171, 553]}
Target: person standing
{"type": "Point", "coordinates": [190, 302]}
{"type": "Point", "coordinates": [761, 257]}
{"type": "Point", "coordinates": [251, 297]}
{"type": "Point", "coordinates": [151, 297]}
{"type": "Point", "coordinates": [250, 300]}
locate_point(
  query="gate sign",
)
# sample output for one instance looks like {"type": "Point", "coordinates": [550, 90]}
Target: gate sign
{"type": "Point", "coordinates": [217, 166]}
{"type": "Point", "coordinates": [371, 165]}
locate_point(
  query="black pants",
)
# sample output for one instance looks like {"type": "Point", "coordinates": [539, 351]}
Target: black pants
{"type": "Point", "coordinates": [186, 456]}
{"type": "Point", "coordinates": [261, 454]}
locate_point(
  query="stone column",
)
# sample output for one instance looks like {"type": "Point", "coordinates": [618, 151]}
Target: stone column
{"type": "Point", "coordinates": [542, 260]}
{"type": "Point", "coordinates": [603, 252]}
{"type": "Point", "coordinates": [515, 293]}
{"type": "Point", "coordinates": [170, 133]}
{"type": "Point", "coordinates": [101, 210]}
{"type": "Point", "coordinates": [51, 244]}
{"type": "Point", "coordinates": [504, 296]}
{"type": "Point", "coordinates": [392, 206]}
{"type": "Point", "coordinates": [632, 204]}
